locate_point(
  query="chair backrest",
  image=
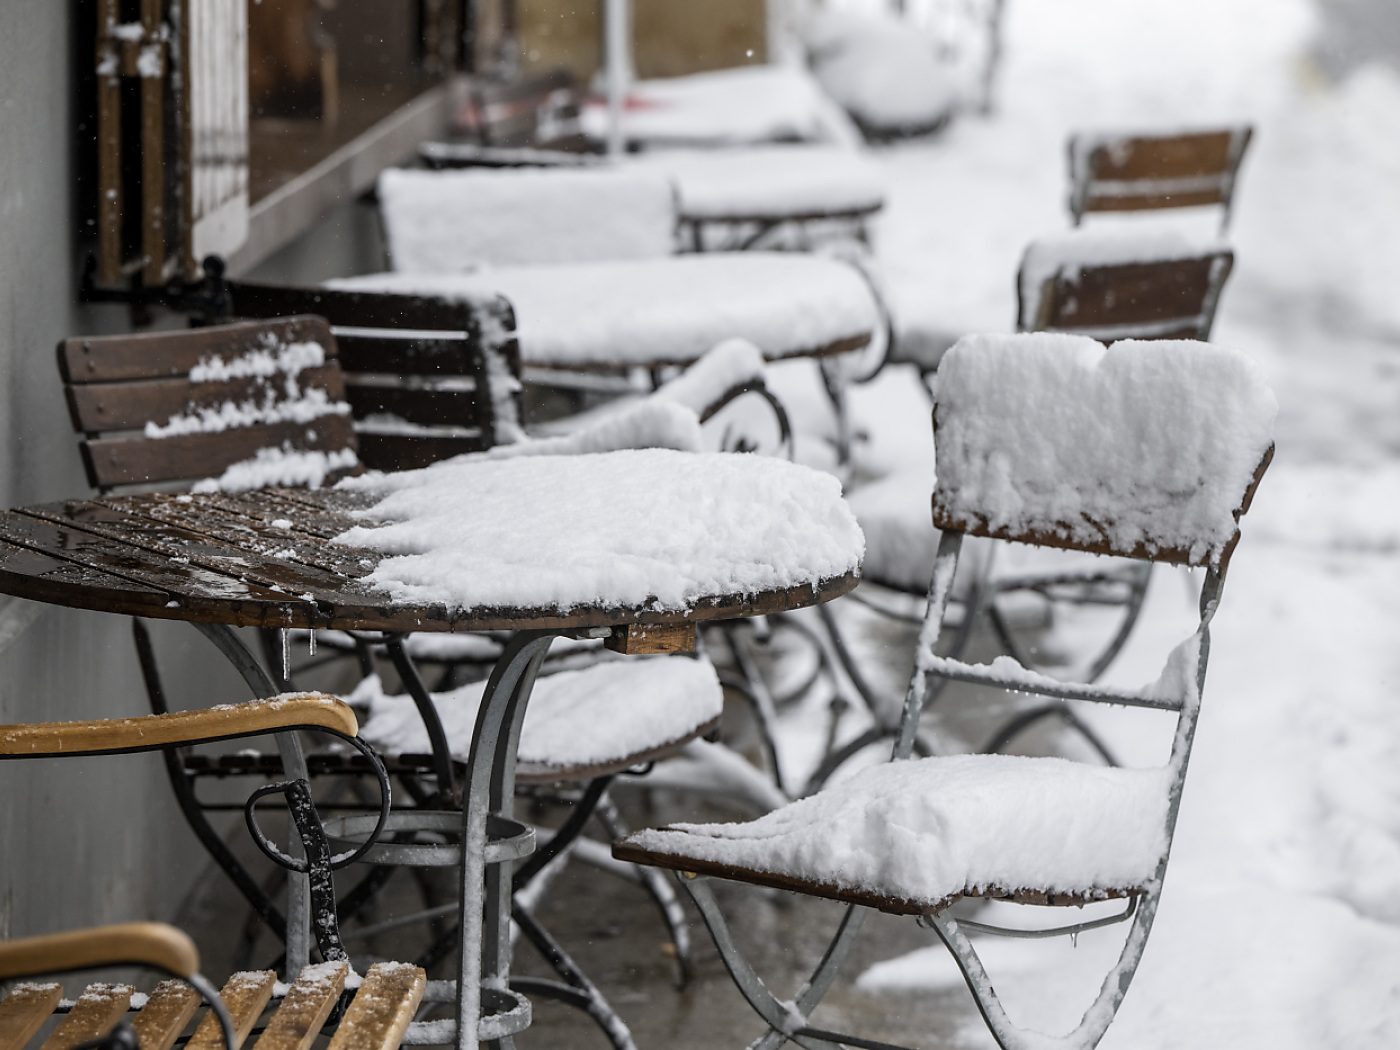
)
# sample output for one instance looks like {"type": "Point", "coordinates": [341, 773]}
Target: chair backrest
{"type": "Point", "coordinates": [1142, 449]}
{"type": "Point", "coordinates": [1138, 172]}
{"type": "Point", "coordinates": [451, 221]}
{"type": "Point", "coordinates": [264, 402]}
{"type": "Point", "coordinates": [540, 110]}
{"type": "Point", "coordinates": [1158, 285]}
{"type": "Point", "coordinates": [426, 379]}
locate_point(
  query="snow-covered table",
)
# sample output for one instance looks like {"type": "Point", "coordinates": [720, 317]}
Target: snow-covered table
{"type": "Point", "coordinates": [635, 547]}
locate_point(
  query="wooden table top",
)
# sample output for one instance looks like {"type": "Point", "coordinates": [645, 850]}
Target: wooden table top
{"type": "Point", "coordinates": [266, 558]}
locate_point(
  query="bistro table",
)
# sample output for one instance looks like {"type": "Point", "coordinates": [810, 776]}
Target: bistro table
{"type": "Point", "coordinates": [267, 558]}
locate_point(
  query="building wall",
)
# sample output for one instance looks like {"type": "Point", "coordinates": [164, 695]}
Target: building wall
{"type": "Point", "coordinates": [81, 840]}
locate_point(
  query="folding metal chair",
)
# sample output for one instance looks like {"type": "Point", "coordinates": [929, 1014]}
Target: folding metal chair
{"type": "Point", "coordinates": [1149, 451]}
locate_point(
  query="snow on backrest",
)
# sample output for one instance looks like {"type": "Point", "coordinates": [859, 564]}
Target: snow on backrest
{"type": "Point", "coordinates": [450, 221]}
{"type": "Point", "coordinates": [1069, 254]}
{"type": "Point", "coordinates": [723, 367]}
{"type": "Point", "coordinates": [1143, 448]}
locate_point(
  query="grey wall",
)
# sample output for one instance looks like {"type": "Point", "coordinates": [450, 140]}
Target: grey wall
{"type": "Point", "coordinates": [81, 840]}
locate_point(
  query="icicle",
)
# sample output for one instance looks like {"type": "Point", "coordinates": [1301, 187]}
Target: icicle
{"type": "Point", "coordinates": [1074, 939]}
{"type": "Point", "coordinates": [286, 654]}
{"type": "Point", "coordinates": [311, 643]}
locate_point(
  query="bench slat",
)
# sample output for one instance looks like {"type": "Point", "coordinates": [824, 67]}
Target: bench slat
{"type": "Point", "coordinates": [159, 1023]}
{"type": "Point", "coordinates": [382, 1008]}
{"type": "Point", "coordinates": [307, 1005]}
{"type": "Point", "coordinates": [95, 1014]}
{"type": "Point", "coordinates": [24, 1012]}
{"type": "Point", "coordinates": [245, 994]}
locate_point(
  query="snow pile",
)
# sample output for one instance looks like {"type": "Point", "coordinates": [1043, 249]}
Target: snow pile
{"type": "Point", "coordinates": [741, 106]}
{"type": "Point", "coordinates": [886, 73]}
{"type": "Point", "coordinates": [1142, 444]}
{"type": "Point", "coordinates": [603, 713]}
{"type": "Point", "coordinates": [768, 181]}
{"type": "Point", "coordinates": [654, 529]}
{"type": "Point", "coordinates": [448, 221]}
{"type": "Point", "coordinates": [640, 312]}
{"type": "Point", "coordinates": [284, 467]}
{"type": "Point", "coordinates": [723, 367]}
{"type": "Point", "coordinates": [896, 515]}
{"type": "Point", "coordinates": [289, 359]}
{"type": "Point", "coordinates": [1067, 255]}
{"type": "Point", "coordinates": [650, 423]}
{"type": "Point", "coordinates": [308, 405]}
{"type": "Point", "coordinates": [930, 829]}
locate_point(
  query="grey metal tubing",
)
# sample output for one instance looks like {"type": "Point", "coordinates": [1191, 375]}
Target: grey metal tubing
{"type": "Point", "coordinates": [824, 975]}
{"type": "Point", "coordinates": [1072, 930]}
{"type": "Point", "coordinates": [261, 684]}
{"type": "Point", "coordinates": [427, 711]}
{"type": "Point", "coordinates": [756, 690]}
{"type": "Point", "coordinates": [945, 566]}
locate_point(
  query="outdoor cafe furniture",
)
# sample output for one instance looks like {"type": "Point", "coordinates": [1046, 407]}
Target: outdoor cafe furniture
{"type": "Point", "coordinates": [634, 547]}
{"type": "Point", "coordinates": [1150, 170]}
{"type": "Point", "coordinates": [372, 1014]}
{"type": "Point", "coordinates": [1149, 451]}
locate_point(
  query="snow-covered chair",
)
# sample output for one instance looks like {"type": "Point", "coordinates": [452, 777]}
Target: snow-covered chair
{"type": "Point", "coordinates": [1146, 171]}
{"type": "Point", "coordinates": [1150, 451]}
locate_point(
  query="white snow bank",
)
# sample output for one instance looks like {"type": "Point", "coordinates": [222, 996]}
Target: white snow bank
{"type": "Point", "coordinates": [600, 714]}
{"type": "Point", "coordinates": [768, 180]}
{"type": "Point", "coordinates": [883, 70]}
{"type": "Point", "coordinates": [281, 467]}
{"type": "Point", "coordinates": [640, 312]}
{"type": "Point", "coordinates": [653, 528]}
{"type": "Point", "coordinates": [929, 829]}
{"type": "Point", "coordinates": [1068, 254]}
{"type": "Point", "coordinates": [1150, 444]}
{"type": "Point", "coordinates": [649, 423]}
{"type": "Point", "coordinates": [448, 221]}
{"type": "Point", "coordinates": [723, 367]}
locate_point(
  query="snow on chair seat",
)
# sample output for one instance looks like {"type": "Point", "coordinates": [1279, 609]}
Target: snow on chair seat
{"type": "Point", "coordinates": [580, 723]}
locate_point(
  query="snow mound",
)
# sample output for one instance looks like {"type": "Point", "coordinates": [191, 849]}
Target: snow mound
{"type": "Point", "coordinates": [1142, 445]}
{"type": "Point", "coordinates": [929, 829]}
{"type": "Point", "coordinates": [653, 528]}
{"type": "Point", "coordinates": [600, 714]}
{"type": "Point", "coordinates": [455, 220]}
{"type": "Point", "coordinates": [723, 367]}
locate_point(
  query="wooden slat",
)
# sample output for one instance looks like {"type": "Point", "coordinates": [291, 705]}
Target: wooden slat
{"type": "Point", "coordinates": [308, 1003]}
{"type": "Point", "coordinates": [24, 1012]}
{"type": "Point", "coordinates": [1152, 201]}
{"type": "Point", "coordinates": [382, 1008]}
{"type": "Point", "coordinates": [150, 732]}
{"type": "Point", "coordinates": [458, 408]}
{"type": "Point", "coordinates": [135, 943]}
{"type": "Point", "coordinates": [245, 994]}
{"type": "Point", "coordinates": [638, 638]}
{"type": "Point", "coordinates": [320, 514]}
{"type": "Point", "coordinates": [168, 1009]}
{"type": "Point", "coordinates": [138, 461]}
{"type": "Point", "coordinates": [41, 577]}
{"type": "Point", "coordinates": [392, 452]}
{"type": "Point", "coordinates": [392, 355]}
{"type": "Point", "coordinates": [1163, 157]}
{"type": "Point", "coordinates": [96, 1013]}
{"type": "Point", "coordinates": [350, 309]}
{"type": "Point", "coordinates": [156, 355]}
{"type": "Point", "coordinates": [1135, 293]}
{"type": "Point", "coordinates": [97, 407]}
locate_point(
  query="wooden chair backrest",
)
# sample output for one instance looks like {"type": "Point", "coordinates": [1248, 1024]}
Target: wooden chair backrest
{"type": "Point", "coordinates": [426, 378]}
{"type": "Point", "coordinates": [122, 387]}
{"type": "Point", "coordinates": [1158, 299]}
{"type": "Point", "coordinates": [540, 110]}
{"type": "Point", "coordinates": [1146, 172]}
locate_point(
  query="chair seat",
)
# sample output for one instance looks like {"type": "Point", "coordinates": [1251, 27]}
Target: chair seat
{"type": "Point", "coordinates": [668, 310]}
{"type": "Point", "coordinates": [582, 723]}
{"type": "Point", "coordinates": [913, 837]}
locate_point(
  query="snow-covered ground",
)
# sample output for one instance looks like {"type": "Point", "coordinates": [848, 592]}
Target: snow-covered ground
{"type": "Point", "coordinates": [1280, 924]}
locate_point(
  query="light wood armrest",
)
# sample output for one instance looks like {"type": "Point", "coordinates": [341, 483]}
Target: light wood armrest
{"type": "Point", "coordinates": [150, 732]}
{"type": "Point", "coordinates": [133, 943]}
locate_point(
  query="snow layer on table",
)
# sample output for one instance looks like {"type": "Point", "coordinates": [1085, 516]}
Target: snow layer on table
{"type": "Point", "coordinates": [280, 467]}
{"type": "Point", "coordinates": [1142, 443]}
{"type": "Point", "coordinates": [885, 71]}
{"type": "Point", "coordinates": [602, 713]}
{"type": "Point", "coordinates": [448, 221]}
{"type": "Point", "coordinates": [614, 314]}
{"type": "Point", "coordinates": [723, 367]}
{"type": "Point", "coordinates": [740, 106]}
{"type": "Point", "coordinates": [648, 528]}
{"type": "Point", "coordinates": [929, 829]}
{"type": "Point", "coordinates": [1068, 254]}
{"type": "Point", "coordinates": [768, 180]}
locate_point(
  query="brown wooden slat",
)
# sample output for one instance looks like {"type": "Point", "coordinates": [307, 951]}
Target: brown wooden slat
{"type": "Point", "coordinates": [99, 407]}
{"type": "Point", "coordinates": [1135, 293]}
{"type": "Point", "coordinates": [308, 1003]}
{"type": "Point", "coordinates": [168, 1009]}
{"type": "Point", "coordinates": [636, 639]}
{"type": "Point", "coordinates": [1151, 201]}
{"type": "Point", "coordinates": [1163, 157]}
{"type": "Point", "coordinates": [27, 573]}
{"type": "Point", "coordinates": [155, 355]}
{"type": "Point", "coordinates": [245, 994]}
{"type": "Point", "coordinates": [390, 355]}
{"type": "Point", "coordinates": [319, 514]}
{"type": "Point", "coordinates": [383, 1006]}
{"type": "Point", "coordinates": [24, 1012]}
{"type": "Point", "coordinates": [350, 309]}
{"type": "Point", "coordinates": [96, 1013]}
{"type": "Point", "coordinates": [458, 408]}
{"type": "Point", "coordinates": [136, 461]}
{"type": "Point", "coordinates": [392, 452]}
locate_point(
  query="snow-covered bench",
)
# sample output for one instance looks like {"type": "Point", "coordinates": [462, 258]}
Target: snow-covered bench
{"type": "Point", "coordinates": [1149, 451]}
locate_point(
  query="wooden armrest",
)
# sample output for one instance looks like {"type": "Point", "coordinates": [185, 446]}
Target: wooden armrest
{"type": "Point", "coordinates": [151, 732]}
{"type": "Point", "coordinates": [133, 943]}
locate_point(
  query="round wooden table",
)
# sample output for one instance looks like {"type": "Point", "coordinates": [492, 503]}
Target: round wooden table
{"type": "Point", "coordinates": [267, 558]}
